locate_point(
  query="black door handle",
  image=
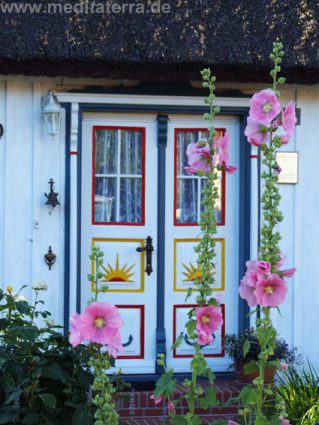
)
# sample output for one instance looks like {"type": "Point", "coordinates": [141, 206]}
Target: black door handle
{"type": "Point", "coordinates": [148, 248]}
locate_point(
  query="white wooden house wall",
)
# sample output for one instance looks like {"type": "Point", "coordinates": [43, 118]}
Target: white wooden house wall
{"type": "Point", "coordinates": [28, 159]}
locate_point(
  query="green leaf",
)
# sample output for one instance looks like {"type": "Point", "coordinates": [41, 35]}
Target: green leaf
{"type": "Point", "coordinates": [220, 422]}
{"type": "Point", "coordinates": [210, 399]}
{"type": "Point", "coordinates": [179, 420]}
{"type": "Point", "coordinates": [30, 419]}
{"type": "Point", "coordinates": [165, 385]}
{"type": "Point", "coordinates": [8, 417]}
{"type": "Point", "coordinates": [248, 395]}
{"type": "Point", "coordinates": [261, 420]}
{"type": "Point", "coordinates": [48, 400]}
{"type": "Point", "coordinates": [81, 417]}
{"type": "Point", "coordinates": [22, 306]}
{"type": "Point", "coordinates": [250, 367]}
{"type": "Point", "coordinates": [179, 340]}
{"type": "Point", "coordinates": [246, 347]}
{"type": "Point", "coordinates": [54, 371]}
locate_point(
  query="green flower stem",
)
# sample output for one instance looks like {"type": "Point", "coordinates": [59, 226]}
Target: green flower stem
{"type": "Point", "coordinates": [104, 391]}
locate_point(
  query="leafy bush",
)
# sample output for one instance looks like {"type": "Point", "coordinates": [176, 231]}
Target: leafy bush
{"type": "Point", "coordinates": [234, 347]}
{"type": "Point", "coordinates": [42, 379]}
{"type": "Point", "coordinates": [299, 389]}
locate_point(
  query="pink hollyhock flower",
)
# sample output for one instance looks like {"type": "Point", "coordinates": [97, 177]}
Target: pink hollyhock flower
{"type": "Point", "coordinates": [289, 119]}
{"type": "Point", "coordinates": [264, 106]}
{"type": "Point", "coordinates": [204, 339]}
{"type": "Point", "coordinates": [284, 421]}
{"type": "Point", "coordinates": [262, 268]}
{"type": "Point", "coordinates": [157, 400]}
{"type": "Point", "coordinates": [209, 319]}
{"type": "Point", "coordinates": [76, 337]}
{"type": "Point", "coordinates": [199, 156]}
{"type": "Point", "coordinates": [271, 291]}
{"type": "Point", "coordinates": [284, 366]}
{"type": "Point", "coordinates": [221, 145]}
{"type": "Point", "coordinates": [171, 407]}
{"type": "Point", "coordinates": [250, 278]}
{"type": "Point", "coordinates": [248, 293]}
{"type": "Point", "coordinates": [100, 322]}
{"type": "Point", "coordinates": [287, 272]}
{"type": "Point", "coordinates": [256, 133]}
{"type": "Point", "coordinates": [115, 345]}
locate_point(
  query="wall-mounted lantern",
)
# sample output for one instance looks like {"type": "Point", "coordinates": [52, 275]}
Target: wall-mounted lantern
{"type": "Point", "coordinates": [51, 111]}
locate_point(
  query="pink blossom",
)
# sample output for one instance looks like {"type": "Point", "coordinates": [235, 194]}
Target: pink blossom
{"type": "Point", "coordinates": [264, 106]}
{"type": "Point", "coordinates": [288, 118]}
{"type": "Point", "coordinates": [100, 322]}
{"type": "Point", "coordinates": [157, 400]}
{"type": "Point", "coordinates": [115, 345]}
{"type": "Point", "coordinates": [209, 319]}
{"type": "Point", "coordinates": [76, 337]}
{"type": "Point", "coordinates": [250, 278]}
{"type": "Point", "coordinates": [256, 133]}
{"type": "Point", "coordinates": [284, 366]}
{"type": "Point", "coordinates": [199, 156]}
{"type": "Point", "coordinates": [232, 423]}
{"type": "Point", "coordinates": [171, 407]}
{"type": "Point", "coordinates": [248, 293]}
{"type": "Point", "coordinates": [222, 153]}
{"type": "Point", "coordinates": [284, 421]}
{"type": "Point", "coordinates": [204, 339]}
{"type": "Point", "coordinates": [271, 292]}
{"type": "Point", "coordinates": [262, 268]}
{"type": "Point", "coordinates": [287, 272]}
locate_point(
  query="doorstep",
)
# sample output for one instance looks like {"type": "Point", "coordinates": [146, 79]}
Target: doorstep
{"type": "Point", "coordinates": [136, 407]}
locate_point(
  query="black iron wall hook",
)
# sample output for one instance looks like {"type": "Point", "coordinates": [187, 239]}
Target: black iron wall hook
{"type": "Point", "coordinates": [52, 197]}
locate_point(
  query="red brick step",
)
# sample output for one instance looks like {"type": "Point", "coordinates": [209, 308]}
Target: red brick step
{"type": "Point", "coordinates": [138, 409]}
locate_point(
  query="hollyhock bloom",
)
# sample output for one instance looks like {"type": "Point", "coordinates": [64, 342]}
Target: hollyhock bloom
{"type": "Point", "coordinates": [284, 366]}
{"type": "Point", "coordinates": [100, 322]}
{"type": "Point", "coordinates": [256, 133]}
{"type": "Point", "coordinates": [250, 278]}
{"type": "Point", "coordinates": [271, 291]}
{"type": "Point", "coordinates": [115, 345]}
{"type": "Point", "coordinates": [199, 156]}
{"type": "Point", "coordinates": [248, 293]}
{"type": "Point", "coordinates": [289, 119]}
{"type": "Point", "coordinates": [287, 272]}
{"type": "Point", "coordinates": [209, 319]}
{"type": "Point", "coordinates": [264, 106]}
{"type": "Point", "coordinates": [277, 170]}
{"type": "Point", "coordinates": [284, 421]}
{"type": "Point", "coordinates": [171, 407]}
{"type": "Point", "coordinates": [221, 146]}
{"type": "Point", "coordinates": [76, 337]}
{"type": "Point", "coordinates": [262, 268]}
{"type": "Point", "coordinates": [205, 339]}
{"type": "Point", "coordinates": [157, 400]}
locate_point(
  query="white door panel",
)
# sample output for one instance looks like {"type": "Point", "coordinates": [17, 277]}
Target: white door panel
{"type": "Point", "coordinates": [183, 195]}
{"type": "Point", "coordinates": [119, 210]}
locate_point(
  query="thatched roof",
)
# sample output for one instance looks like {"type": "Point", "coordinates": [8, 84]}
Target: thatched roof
{"type": "Point", "coordinates": [233, 37]}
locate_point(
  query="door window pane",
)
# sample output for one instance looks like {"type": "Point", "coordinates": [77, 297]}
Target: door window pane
{"type": "Point", "coordinates": [189, 189]}
{"type": "Point", "coordinates": [118, 175]}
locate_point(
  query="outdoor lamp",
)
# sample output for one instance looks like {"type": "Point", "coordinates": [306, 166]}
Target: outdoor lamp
{"type": "Point", "coordinates": [51, 111]}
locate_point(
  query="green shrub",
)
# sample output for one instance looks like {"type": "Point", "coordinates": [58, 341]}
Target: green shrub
{"type": "Point", "coordinates": [299, 389]}
{"type": "Point", "coordinates": [312, 416]}
{"type": "Point", "coordinates": [42, 379]}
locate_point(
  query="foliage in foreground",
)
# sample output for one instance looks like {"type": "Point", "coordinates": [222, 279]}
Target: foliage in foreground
{"type": "Point", "coordinates": [299, 390]}
{"type": "Point", "coordinates": [42, 379]}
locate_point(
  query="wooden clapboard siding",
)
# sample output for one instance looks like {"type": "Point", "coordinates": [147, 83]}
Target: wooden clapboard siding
{"type": "Point", "coordinates": [28, 159]}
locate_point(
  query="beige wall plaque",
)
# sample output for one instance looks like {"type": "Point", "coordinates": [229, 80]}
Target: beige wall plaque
{"type": "Point", "coordinates": [288, 162]}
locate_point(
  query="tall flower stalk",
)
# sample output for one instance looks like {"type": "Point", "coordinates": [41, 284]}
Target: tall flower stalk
{"type": "Point", "coordinates": [206, 159]}
{"type": "Point", "coordinates": [100, 325]}
{"type": "Point", "coordinates": [269, 126]}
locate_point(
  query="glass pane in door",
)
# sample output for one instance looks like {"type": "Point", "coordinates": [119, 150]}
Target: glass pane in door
{"type": "Point", "coordinates": [118, 175]}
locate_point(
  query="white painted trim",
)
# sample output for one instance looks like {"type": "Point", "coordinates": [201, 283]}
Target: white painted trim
{"type": "Point", "coordinates": [127, 99]}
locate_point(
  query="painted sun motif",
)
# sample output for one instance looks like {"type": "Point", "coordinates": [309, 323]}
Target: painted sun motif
{"type": "Point", "coordinates": [118, 274]}
{"type": "Point", "coordinates": [191, 272]}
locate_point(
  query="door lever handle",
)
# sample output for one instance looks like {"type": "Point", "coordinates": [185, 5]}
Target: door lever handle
{"type": "Point", "coordinates": [148, 248]}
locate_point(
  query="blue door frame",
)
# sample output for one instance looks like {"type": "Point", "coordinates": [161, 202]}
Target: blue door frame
{"type": "Point", "coordinates": [163, 112]}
